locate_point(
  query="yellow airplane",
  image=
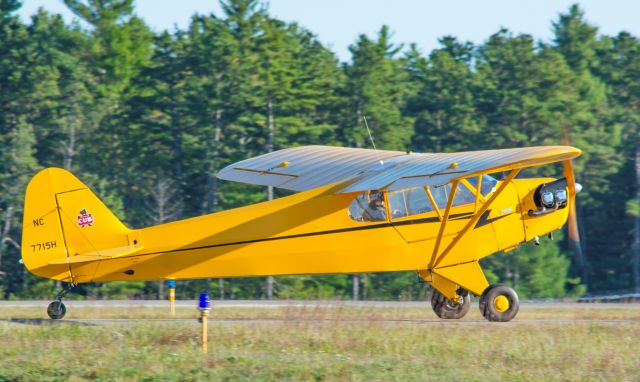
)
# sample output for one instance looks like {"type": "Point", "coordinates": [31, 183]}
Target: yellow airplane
{"type": "Point", "coordinates": [356, 210]}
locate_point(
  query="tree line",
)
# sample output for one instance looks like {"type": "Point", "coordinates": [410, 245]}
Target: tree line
{"type": "Point", "coordinates": [147, 119]}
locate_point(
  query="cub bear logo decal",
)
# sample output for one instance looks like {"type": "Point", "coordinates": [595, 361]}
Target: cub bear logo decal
{"type": "Point", "coordinates": [85, 218]}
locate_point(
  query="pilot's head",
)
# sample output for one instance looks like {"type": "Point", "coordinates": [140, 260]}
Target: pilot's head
{"type": "Point", "coordinates": [376, 199]}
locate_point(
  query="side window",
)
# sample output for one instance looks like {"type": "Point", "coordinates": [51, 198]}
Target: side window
{"type": "Point", "coordinates": [368, 207]}
{"type": "Point", "coordinates": [417, 201]}
{"type": "Point", "coordinates": [397, 204]}
{"type": "Point", "coordinates": [408, 202]}
{"type": "Point", "coordinates": [441, 195]}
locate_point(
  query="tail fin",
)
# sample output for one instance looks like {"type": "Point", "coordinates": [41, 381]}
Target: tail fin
{"type": "Point", "coordinates": [64, 224]}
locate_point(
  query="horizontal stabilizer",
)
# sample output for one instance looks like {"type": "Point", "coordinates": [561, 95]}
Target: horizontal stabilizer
{"type": "Point", "coordinates": [107, 254]}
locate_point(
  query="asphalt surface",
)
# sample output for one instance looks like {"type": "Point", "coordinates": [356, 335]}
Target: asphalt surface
{"type": "Point", "coordinates": [310, 320]}
{"type": "Point", "coordinates": [292, 303]}
{"type": "Point", "coordinates": [328, 321]}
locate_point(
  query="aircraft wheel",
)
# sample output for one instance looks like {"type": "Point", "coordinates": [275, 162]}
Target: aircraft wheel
{"type": "Point", "coordinates": [499, 303]}
{"type": "Point", "coordinates": [56, 310]}
{"type": "Point", "coordinates": [482, 301]}
{"type": "Point", "coordinates": [447, 309]}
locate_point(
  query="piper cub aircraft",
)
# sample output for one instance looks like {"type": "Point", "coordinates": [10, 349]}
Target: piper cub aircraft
{"type": "Point", "coordinates": [355, 210]}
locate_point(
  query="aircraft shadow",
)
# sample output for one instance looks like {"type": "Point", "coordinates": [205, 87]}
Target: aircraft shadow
{"type": "Point", "coordinates": [45, 321]}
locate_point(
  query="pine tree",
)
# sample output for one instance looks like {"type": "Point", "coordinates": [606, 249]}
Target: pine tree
{"type": "Point", "coordinates": [67, 111]}
{"type": "Point", "coordinates": [17, 140]}
{"type": "Point", "coordinates": [600, 136]}
{"type": "Point", "coordinates": [120, 46]}
{"type": "Point", "coordinates": [159, 123]}
{"type": "Point", "coordinates": [619, 67]}
{"type": "Point", "coordinates": [575, 39]}
{"type": "Point", "coordinates": [528, 95]}
{"type": "Point", "coordinates": [376, 89]}
{"type": "Point", "coordinates": [443, 107]}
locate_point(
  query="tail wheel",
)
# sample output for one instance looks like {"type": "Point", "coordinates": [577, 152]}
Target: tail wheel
{"type": "Point", "coordinates": [56, 310]}
{"type": "Point", "coordinates": [448, 309]}
{"type": "Point", "coordinates": [499, 303]}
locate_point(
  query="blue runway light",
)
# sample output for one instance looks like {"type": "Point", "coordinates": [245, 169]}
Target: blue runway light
{"type": "Point", "coordinates": [204, 301]}
{"type": "Point", "coordinates": [171, 284]}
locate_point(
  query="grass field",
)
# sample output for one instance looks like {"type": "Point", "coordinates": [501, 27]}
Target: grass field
{"type": "Point", "coordinates": [320, 342]}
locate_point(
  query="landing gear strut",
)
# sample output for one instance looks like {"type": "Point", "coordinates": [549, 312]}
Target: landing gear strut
{"type": "Point", "coordinates": [448, 309]}
{"type": "Point", "coordinates": [499, 303]}
{"type": "Point", "coordinates": [56, 310]}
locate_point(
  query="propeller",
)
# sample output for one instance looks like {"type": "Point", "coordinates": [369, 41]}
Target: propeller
{"type": "Point", "coordinates": [574, 232]}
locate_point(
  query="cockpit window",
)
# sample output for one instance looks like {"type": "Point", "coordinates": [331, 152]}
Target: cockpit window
{"type": "Point", "coordinates": [408, 202]}
{"type": "Point", "coordinates": [487, 185]}
{"type": "Point", "coordinates": [441, 195]}
{"type": "Point", "coordinates": [368, 207]}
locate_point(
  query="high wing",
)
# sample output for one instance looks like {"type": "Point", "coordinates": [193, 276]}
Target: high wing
{"type": "Point", "coordinates": [307, 167]}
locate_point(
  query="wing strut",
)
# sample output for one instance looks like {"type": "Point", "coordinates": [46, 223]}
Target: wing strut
{"type": "Point", "coordinates": [433, 202]}
{"type": "Point", "coordinates": [473, 220]}
{"type": "Point", "coordinates": [443, 224]}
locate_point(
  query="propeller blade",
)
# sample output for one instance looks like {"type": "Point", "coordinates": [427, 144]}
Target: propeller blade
{"type": "Point", "coordinates": [574, 233]}
{"type": "Point", "coordinates": [573, 228]}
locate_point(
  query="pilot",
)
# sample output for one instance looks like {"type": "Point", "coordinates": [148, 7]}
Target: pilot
{"type": "Point", "coordinates": [376, 210]}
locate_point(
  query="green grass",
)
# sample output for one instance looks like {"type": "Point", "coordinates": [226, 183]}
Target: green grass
{"type": "Point", "coordinates": [320, 343]}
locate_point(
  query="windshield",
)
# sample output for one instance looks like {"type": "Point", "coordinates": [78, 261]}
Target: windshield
{"type": "Point", "coordinates": [488, 183]}
{"type": "Point", "coordinates": [441, 195]}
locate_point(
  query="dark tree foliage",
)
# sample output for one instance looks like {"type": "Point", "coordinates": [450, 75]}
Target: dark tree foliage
{"type": "Point", "coordinates": [147, 119]}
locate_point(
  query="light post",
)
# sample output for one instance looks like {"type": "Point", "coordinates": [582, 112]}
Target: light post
{"type": "Point", "coordinates": [171, 284]}
{"type": "Point", "coordinates": [204, 307]}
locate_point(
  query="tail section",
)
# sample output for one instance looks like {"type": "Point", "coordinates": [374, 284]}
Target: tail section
{"type": "Point", "coordinates": [67, 229]}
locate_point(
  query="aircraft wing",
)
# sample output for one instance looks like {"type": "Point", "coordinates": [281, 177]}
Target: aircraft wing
{"type": "Point", "coordinates": [441, 169]}
{"type": "Point", "coordinates": [307, 167]}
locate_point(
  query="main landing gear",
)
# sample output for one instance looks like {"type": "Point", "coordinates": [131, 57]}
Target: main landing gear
{"type": "Point", "coordinates": [498, 303]}
{"type": "Point", "coordinates": [56, 310]}
{"type": "Point", "coordinates": [449, 309]}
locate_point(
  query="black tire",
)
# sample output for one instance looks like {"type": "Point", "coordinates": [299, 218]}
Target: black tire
{"type": "Point", "coordinates": [488, 307]}
{"type": "Point", "coordinates": [447, 309]}
{"type": "Point", "coordinates": [56, 310]}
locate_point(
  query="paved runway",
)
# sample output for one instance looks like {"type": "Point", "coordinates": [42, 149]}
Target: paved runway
{"type": "Point", "coordinates": [233, 321]}
{"type": "Point", "coordinates": [295, 319]}
{"type": "Point", "coordinates": [293, 304]}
